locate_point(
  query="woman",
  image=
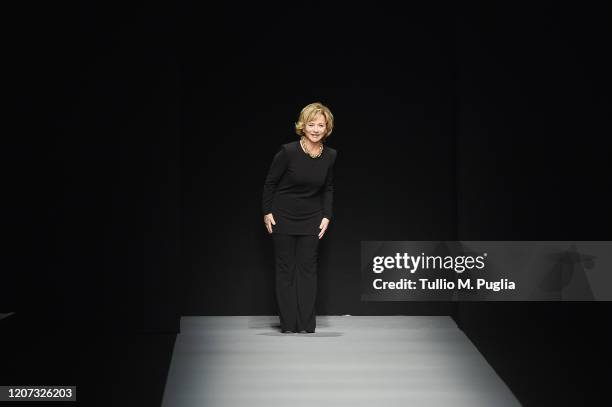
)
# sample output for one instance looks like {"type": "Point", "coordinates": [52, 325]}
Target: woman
{"type": "Point", "coordinates": [297, 206]}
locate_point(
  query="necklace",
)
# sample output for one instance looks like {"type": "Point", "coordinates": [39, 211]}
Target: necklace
{"type": "Point", "coordinates": [308, 151]}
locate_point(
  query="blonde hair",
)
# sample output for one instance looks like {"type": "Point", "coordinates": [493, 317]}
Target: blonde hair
{"type": "Point", "coordinates": [310, 112]}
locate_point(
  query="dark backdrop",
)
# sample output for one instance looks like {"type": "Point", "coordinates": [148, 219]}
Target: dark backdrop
{"type": "Point", "coordinates": [533, 153]}
{"type": "Point", "coordinates": [93, 169]}
{"type": "Point", "coordinates": [91, 210]}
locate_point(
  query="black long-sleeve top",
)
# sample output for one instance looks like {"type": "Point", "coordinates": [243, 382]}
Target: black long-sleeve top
{"type": "Point", "coordinates": [299, 190]}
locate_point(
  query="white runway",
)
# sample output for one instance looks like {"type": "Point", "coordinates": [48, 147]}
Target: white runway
{"type": "Point", "coordinates": [350, 361]}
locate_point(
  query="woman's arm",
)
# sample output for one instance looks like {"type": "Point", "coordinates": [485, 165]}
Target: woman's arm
{"type": "Point", "coordinates": [328, 192]}
{"type": "Point", "coordinates": [276, 171]}
{"type": "Point", "coordinates": [328, 199]}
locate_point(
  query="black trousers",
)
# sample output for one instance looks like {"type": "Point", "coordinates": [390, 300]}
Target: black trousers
{"type": "Point", "coordinates": [296, 280]}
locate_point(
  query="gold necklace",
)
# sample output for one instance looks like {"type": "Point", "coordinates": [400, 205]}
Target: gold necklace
{"type": "Point", "coordinates": [308, 151]}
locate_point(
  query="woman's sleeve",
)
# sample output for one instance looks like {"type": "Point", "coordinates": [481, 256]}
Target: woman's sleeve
{"type": "Point", "coordinates": [276, 171]}
{"type": "Point", "coordinates": [328, 192]}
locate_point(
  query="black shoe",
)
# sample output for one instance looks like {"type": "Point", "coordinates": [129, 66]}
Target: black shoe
{"type": "Point", "coordinates": [285, 331]}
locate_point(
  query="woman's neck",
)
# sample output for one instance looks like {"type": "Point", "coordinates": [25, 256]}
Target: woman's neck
{"type": "Point", "coordinates": [312, 147]}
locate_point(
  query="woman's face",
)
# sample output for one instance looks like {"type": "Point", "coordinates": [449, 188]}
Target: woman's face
{"type": "Point", "coordinates": [314, 130]}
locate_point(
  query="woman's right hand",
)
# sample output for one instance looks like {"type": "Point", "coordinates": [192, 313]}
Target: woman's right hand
{"type": "Point", "coordinates": [269, 221]}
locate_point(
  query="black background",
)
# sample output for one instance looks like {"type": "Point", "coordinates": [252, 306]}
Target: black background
{"type": "Point", "coordinates": [142, 135]}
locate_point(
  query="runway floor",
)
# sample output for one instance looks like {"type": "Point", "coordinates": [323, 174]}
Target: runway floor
{"type": "Point", "coordinates": [352, 361]}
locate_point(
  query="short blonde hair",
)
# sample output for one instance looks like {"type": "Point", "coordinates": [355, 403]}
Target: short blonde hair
{"type": "Point", "coordinates": [310, 112]}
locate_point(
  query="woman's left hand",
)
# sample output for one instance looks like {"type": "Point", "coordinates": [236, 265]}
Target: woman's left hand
{"type": "Point", "coordinates": [323, 227]}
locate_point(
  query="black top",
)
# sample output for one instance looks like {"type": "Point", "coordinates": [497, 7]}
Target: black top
{"type": "Point", "coordinates": [299, 190]}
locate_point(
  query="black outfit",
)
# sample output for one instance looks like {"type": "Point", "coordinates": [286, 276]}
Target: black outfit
{"type": "Point", "coordinates": [296, 280]}
{"type": "Point", "coordinates": [298, 191]}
